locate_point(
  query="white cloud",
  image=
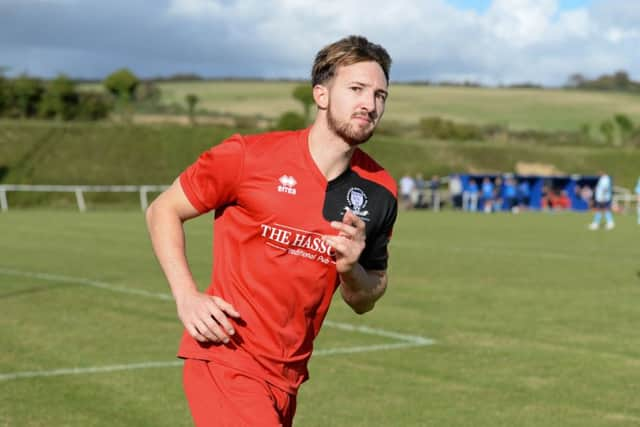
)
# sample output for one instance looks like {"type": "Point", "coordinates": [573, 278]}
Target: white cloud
{"type": "Point", "coordinates": [511, 41]}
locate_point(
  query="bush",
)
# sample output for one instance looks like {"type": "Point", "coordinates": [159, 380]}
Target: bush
{"type": "Point", "coordinates": [291, 120]}
{"type": "Point", "coordinates": [436, 127]}
{"type": "Point", "coordinates": [27, 93]}
{"type": "Point", "coordinates": [60, 100]}
{"type": "Point", "coordinates": [93, 106]}
{"type": "Point", "coordinates": [391, 128]}
{"type": "Point", "coordinates": [245, 122]}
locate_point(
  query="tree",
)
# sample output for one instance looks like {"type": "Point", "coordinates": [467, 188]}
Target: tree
{"type": "Point", "coordinates": [606, 127]}
{"type": "Point", "coordinates": [60, 99]}
{"type": "Point", "coordinates": [625, 126]}
{"type": "Point", "coordinates": [192, 101]}
{"type": "Point", "coordinates": [304, 94]}
{"type": "Point", "coordinates": [621, 80]}
{"type": "Point", "coordinates": [27, 93]}
{"type": "Point", "coordinates": [576, 80]}
{"type": "Point", "coordinates": [4, 95]}
{"type": "Point", "coordinates": [122, 83]}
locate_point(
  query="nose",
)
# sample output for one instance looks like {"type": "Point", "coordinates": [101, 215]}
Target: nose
{"type": "Point", "coordinates": [368, 104]}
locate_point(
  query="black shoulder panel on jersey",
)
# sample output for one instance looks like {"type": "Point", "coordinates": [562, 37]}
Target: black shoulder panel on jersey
{"type": "Point", "coordinates": [370, 201]}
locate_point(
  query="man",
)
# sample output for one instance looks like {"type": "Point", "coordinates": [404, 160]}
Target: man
{"type": "Point", "coordinates": [637, 190]}
{"type": "Point", "coordinates": [602, 195]}
{"type": "Point", "coordinates": [407, 190]}
{"type": "Point", "coordinates": [455, 191]}
{"type": "Point", "coordinates": [297, 215]}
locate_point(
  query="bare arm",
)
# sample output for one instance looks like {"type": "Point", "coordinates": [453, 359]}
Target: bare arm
{"type": "Point", "coordinates": [204, 316]}
{"type": "Point", "coordinates": [359, 288]}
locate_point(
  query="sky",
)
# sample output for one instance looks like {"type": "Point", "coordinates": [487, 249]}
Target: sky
{"type": "Point", "coordinates": [493, 42]}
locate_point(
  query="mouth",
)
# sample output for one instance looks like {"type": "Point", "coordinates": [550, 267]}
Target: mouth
{"type": "Point", "coordinates": [362, 118]}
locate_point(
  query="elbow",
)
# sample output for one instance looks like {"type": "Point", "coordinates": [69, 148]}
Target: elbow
{"type": "Point", "coordinates": [363, 308]}
{"type": "Point", "coordinates": [149, 214]}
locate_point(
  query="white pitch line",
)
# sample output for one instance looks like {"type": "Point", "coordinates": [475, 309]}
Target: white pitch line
{"type": "Point", "coordinates": [167, 297]}
{"type": "Point", "coordinates": [408, 340]}
{"type": "Point", "coordinates": [380, 332]}
{"type": "Point", "coordinates": [146, 365]}
{"type": "Point", "coordinates": [86, 282]}
{"type": "Point", "coordinates": [90, 370]}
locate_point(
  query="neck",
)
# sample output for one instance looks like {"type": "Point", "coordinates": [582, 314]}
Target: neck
{"type": "Point", "coordinates": [330, 153]}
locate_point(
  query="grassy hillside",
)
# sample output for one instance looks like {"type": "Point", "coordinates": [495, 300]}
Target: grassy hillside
{"type": "Point", "coordinates": [548, 109]}
{"type": "Point", "coordinates": [100, 154]}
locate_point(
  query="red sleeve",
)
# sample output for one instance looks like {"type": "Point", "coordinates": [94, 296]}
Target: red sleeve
{"type": "Point", "coordinates": [212, 180]}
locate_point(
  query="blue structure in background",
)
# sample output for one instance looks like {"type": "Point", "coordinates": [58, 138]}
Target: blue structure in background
{"type": "Point", "coordinates": [537, 186]}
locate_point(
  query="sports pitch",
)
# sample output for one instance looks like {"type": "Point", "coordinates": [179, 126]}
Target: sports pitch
{"type": "Point", "coordinates": [489, 320]}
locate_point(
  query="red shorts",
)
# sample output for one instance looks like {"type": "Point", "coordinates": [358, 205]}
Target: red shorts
{"type": "Point", "coordinates": [222, 396]}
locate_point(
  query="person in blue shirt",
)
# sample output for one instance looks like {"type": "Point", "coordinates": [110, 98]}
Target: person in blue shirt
{"type": "Point", "coordinates": [486, 195]}
{"type": "Point", "coordinates": [470, 196]}
{"type": "Point", "coordinates": [524, 194]}
{"type": "Point", "coordinates": [602, 197]}
{"type": "Point", "coordinates": [638, 200]}
{"type": "Point", "coordinates": [509, 195]}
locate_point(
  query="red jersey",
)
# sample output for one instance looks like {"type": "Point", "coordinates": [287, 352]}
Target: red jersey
{"type": "Point", "coordinates": [272, 206]}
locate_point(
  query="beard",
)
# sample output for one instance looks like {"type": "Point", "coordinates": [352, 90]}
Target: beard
{"type": "Point", "coordinates": [352, 135]}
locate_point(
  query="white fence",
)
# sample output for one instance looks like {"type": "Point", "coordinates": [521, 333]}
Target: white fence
{"type": "Point", "coordinates": [79, 191]}
{"type": "Point", "coordinates": [622, 198]}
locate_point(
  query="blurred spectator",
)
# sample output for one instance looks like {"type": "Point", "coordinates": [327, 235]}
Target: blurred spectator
{"type": "Point", "coordinates": [586, 194]}
{"type": "Point", "coordinates": [562, 201]}
{"type": "Point", "coordinates": [470, 196]}
{"type": "Point", "coordinates": [556, 200]}
{"type": "Point", "coordinates": [602, 196]}
{"type": "Point", "coordinates": [545, 197]}
{"type": "Point", "coordinates": [487, 195]}
{"type": "Point", "coordinates": [524, 194]}
{"type": "Point", "coordinates": [638, 200]}
{"type": "Point", "coordinates": [455, 191]}
{"type": "Point", "coordinates": [497, 194]}
{"type": "Point", "coordinates": [420, 187]}
{"type": "Point", "coordinates": [407, 187]}
{"type": "Point", "coordinates": [510, 194]}
{"type": "Point", "coordinates": [434, 186]}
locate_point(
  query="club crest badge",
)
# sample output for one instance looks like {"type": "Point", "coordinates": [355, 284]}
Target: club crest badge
{"type": "Point", "coordinates": [357, 202]}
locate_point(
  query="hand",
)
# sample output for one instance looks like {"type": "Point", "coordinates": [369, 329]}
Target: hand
{"type": "Point", "coordinates": [205, 317]}
{"type": "Point", "coordinates": [349, 243]}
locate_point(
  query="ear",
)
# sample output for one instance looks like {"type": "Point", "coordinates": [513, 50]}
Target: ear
{"type": "Point", "coordinates": [321, 96]}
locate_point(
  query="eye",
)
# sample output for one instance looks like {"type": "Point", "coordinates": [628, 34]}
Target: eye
{"type": "Point", "coordinates": [381, 96]}
{"type": "Point", "coordinates": [356, 89]}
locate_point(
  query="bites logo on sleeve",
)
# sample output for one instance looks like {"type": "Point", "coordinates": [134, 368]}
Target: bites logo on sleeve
{"type": "Point", "coordinates": [297, 242]}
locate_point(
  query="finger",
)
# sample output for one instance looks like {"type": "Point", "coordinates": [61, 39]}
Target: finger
{"type": "Point", "coordinates": [345, 229]}
{"type": "Point", "coordinates": [193, 331]}
{"type": "Point", "coordinates": [210, 329]}
{"type": "Point", "coordinates": [337, 243]}
{"type": "Point", "coordinates": [216, 330]}
{"type": "Point", "coordinates": [353, 219]}
{"type": "Point", "coordinates": [226, 307]}
{"type": "Point", "coordinates": [349, 217]}
{"type": "Point", "coordinates": [219, 316]}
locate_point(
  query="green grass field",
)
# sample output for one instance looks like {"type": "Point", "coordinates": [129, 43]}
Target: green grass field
{"type": "Point", "coordinates": [548, 109]}
{"type": "Point", "coordinates": [535, 322]}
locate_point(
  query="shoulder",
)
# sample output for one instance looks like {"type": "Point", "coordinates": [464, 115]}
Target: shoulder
{"type": "Point", "coordinates": [267, 139]}
{"type": "Point", "coordinates": [369, 169]}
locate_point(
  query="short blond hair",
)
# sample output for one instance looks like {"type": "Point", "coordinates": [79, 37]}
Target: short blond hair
{"type": "Point", "coordinates": [347, 51]}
